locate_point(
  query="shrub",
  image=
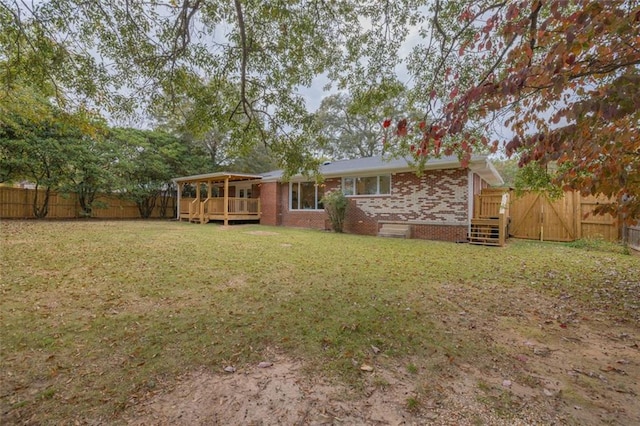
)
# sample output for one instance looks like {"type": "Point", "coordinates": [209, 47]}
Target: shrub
{"type": "Point", "coordinates": [335, 204]}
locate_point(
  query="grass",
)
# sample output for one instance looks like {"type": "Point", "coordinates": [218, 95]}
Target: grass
{"type": "Point", "coordinates": [95, 314]}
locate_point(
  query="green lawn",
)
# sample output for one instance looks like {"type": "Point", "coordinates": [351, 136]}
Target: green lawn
{"type": "Point", "coordinates": [93, 313]}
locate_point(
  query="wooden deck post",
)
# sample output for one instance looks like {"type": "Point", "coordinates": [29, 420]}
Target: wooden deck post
{"type": "Point", "coordinates": [179, 198]}
{"type": "Point", "coordinates": [200, 206]}
{"type": "Point", "coordinates": [226, 200]}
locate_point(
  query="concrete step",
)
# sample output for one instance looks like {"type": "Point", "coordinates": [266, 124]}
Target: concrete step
{"type": "Point", "coordinates": [392, 230]}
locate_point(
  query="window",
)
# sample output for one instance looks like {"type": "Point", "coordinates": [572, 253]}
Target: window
{"type": "Point", "coordinates": [305, 196]}
{"type": "Point", "coordinates": [367, 185]}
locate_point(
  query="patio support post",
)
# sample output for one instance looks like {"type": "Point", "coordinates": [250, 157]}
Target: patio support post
{"type": "Point", "coordinates": [178, 199]}
{"type": "Point", "coordinates": [226, 200]}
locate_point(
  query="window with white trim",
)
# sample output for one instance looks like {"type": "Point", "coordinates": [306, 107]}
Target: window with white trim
{"type": "Point", "coordinates": [367, 185]}
{"type": "Point", "coordinates": [305, 196]}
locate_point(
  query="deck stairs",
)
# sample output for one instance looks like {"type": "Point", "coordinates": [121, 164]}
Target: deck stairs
{"type": "Point", "coordinates": [393, 230]}
{"type": "Point", "coordinates": [490, 222]}
{"type": "Point", "coordinates": [485, 232]}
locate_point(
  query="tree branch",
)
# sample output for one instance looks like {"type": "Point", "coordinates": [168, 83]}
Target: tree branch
{"type": "Point", "coordinates": [245, 54]}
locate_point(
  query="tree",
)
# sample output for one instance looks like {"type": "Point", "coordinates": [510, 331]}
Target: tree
{"type": "Point", "coordinates": [150, 51]}
{"type": "Point", "coordinates": [91, 171]}
{"type": "Point", "coordinates": [257, 160]}
{"type": "Point", "coordinates": [564, 77]}
{"type": "Point", "coordinates": [350, 123]}
{"type": "Point", "coordinates": [147, 162]}
{"type": "Point", "coordinates": [37, 143]}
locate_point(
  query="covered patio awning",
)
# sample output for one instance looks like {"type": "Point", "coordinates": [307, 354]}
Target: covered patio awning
{"type": "Point", "coordinates": [216, 177]}
{"type": "Point", "coordinates": [225, 208]}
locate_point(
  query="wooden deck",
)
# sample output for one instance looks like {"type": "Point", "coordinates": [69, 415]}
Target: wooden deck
{"type": "Point", "coordinates": [215, 198]}
{"type": "Point", "coordinates": [212, 209]}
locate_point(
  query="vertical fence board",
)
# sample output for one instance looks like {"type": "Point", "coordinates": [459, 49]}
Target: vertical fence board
{"type": "Point", "coordinates": [597, 226]}
{"type": "Point", "coordinates": [16, 203]}
{"type": "Point", "coordinates": [633, 237]}
{"type": "Point", "coordinates": [535, 216]}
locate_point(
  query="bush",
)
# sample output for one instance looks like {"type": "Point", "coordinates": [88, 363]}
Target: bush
{"type": "Point", "coordinates": [335, 204]}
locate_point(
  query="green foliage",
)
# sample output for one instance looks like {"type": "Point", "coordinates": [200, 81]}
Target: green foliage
{"type": "Point", "coordinates": [536, 177]}
{"type": "Point", "coordinates": [508, 169]}
{"type": "Point", "coordinates": [256, 57]}
{"type": "Point", "coordinates": [147, 162]}
{"type": "Point", "coordinates": [350, 123]}
{"type": "Point", "coordinates": [335, 204]}
{"type": "Point", "coordinates": [42, 144]}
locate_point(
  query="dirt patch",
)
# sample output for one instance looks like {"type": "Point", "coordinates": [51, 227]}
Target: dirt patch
{"type": "Point", "coordinates": [285, 394]}
{"type": "Point", "coordinates": [280, 394]}
{"type": "Point", "coordinates": [555, 364]}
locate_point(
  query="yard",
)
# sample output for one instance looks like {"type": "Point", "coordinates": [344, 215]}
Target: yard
{"type": "Point", "coordinates": [135, 322]}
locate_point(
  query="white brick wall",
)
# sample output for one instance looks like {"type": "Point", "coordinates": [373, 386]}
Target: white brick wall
{"type": "Point", "coordinates": [436, 197]}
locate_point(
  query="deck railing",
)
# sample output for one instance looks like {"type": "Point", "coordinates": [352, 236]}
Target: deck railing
{"type": "Point", "coordinates": [244, 205]}
{"type": "Point", "coordinates": [236, 205]}
{"type": "Point", "coordinates": [215, 206]}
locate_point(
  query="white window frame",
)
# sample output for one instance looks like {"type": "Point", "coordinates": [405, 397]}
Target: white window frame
{"type": "Point", "coordinates": [298, 209]}
{"type": "Point", "coordinates": [377, 194]}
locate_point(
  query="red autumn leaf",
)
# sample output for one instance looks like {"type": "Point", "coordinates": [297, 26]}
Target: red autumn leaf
{"type": "Point", "coordinates": [436, 146]}
{"type": "Point", "coordinates": [386, 123]}
{"type": "Point", "coordinates": [421, 125]}
{"type": "Point", "coordinates": [402, 127]}
{"type": "Point", "coordinates": [570, 59]}
{"type": "Point", "coordinates": [569, 71]}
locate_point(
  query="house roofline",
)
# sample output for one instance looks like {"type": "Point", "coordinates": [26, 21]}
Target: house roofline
{"type": "Point", "coordinates": [479, 164]}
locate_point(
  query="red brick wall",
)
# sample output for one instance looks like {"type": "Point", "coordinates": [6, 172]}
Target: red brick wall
{"type": "Point", "coordinates": [315, 219]}
{"type": "Point", "coordinates": [440, 232]}
{"type": "Point", "coordinates": [435, 204]}
{"type": "Point", "coordinates": [269, 192]}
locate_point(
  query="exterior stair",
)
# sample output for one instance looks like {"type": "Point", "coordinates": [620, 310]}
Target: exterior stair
{"type": "Point", "coordinates": [486, 232]}
{"type": "Point", "coordinates": [393, 230]}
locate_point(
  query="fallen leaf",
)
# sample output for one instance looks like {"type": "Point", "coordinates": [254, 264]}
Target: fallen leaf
{"type": "Point", "coordinates": [365, 367]}
{"type": "Point", "coordinates": [375, 350]}
{"type": "Point", "coordinates": [265, 364]}
{"type": "Point", "coordinates": [230, 369]}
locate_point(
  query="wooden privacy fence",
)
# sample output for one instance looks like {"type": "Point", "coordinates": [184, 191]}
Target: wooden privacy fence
{"type": "Point", "coordinates": [571, 217]}
{"type": "Point", "coordinates": [633, 236]}
{"type": "Point", "coordinates": [17, 203]}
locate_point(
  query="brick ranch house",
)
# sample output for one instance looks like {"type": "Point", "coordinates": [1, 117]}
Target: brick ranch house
{"type": "Point", "coordinates": [436, 205]}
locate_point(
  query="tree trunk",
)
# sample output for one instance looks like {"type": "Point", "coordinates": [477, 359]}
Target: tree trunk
{"type": "Point", "coordinates": [40, 211]}
{"type": "Point", "coordinates": [146, 206]}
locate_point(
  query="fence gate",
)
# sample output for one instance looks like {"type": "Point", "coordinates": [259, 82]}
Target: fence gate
{"type": "Point", "coordinates": [535, 216]}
